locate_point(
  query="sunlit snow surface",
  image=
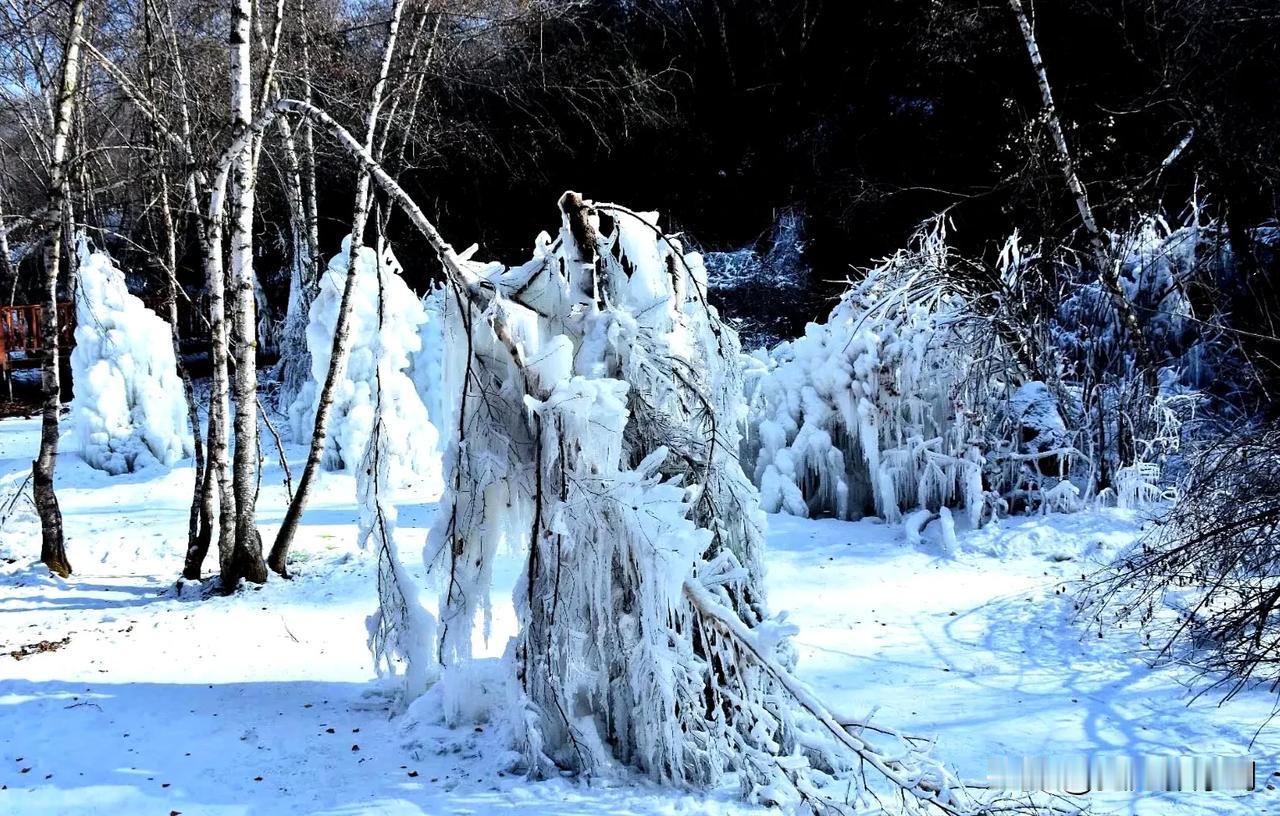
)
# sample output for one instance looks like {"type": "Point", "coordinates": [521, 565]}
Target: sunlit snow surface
{"type": "Point", "coordinates": [164, 703]}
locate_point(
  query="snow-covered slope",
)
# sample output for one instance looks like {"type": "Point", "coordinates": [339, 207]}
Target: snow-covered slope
{"type": "Point", "coordinates": [263, 703]}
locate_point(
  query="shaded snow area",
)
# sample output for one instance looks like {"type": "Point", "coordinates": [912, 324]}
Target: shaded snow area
{"type": "Point", "coordinates": [265, 703]}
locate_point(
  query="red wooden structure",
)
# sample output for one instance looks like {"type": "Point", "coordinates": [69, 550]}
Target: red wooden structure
{"type": "Point", "coordinates": [22, 331]}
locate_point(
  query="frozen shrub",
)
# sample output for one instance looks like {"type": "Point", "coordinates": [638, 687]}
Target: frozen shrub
{"type": "Point", "coordinates": [599, 414]}
{"type": "Point", "coordinates": [878, 410]}
{"type": "Point", "coordinates": [413, 439]}
{"type": "Point", "coordinates": [939, 381]}
{"type": "Point", "coordinates": [128, 410]}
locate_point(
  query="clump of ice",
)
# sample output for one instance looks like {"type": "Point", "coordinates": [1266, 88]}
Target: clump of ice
{"type": "Point", "coordinates": [128, 410]}
{"type": "Point", "coordinates": [426, 366]}
{"type": "Point", "coordinates": [876, 410]}
{"type": "Point", "coordinates": [413, 438]}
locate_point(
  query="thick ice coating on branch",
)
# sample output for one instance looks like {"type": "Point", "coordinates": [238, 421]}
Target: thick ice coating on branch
{"type": "Point", "coordinates": [597, 422]}
{"type": "Point", "coordinates": [413, 449]}
{"type": "Point", "coordinates": [128, 409]}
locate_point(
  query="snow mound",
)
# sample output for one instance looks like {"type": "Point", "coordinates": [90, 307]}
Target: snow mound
{"type": "Point", "coordinates": [413, 449]}
{"type": "Point", "coordinates": [128, 411]}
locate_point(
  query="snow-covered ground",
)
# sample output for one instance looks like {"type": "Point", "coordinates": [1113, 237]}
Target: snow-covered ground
{"type": "Point", "coordinates": [262, 703]}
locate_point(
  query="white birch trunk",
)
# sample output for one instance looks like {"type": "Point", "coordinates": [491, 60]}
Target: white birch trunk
{"type": "Point", "coordinates": [241, 556]}
{"type": "Point", "coordinates": [341, 335]}
{"type": "Point", "coordinates": [1107, 270]}
{"type": "Point", "coordinates": [53, 546]}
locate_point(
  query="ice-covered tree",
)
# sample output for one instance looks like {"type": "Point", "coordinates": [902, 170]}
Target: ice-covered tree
{"type": "Point", "coordinates": [129, 409]}
{"type": "Point", "coordinates": [898, 402]}
{"type": "Point", "coordinates": [377, 342]}
{"type": "Point", "coordinates": [599, 413]}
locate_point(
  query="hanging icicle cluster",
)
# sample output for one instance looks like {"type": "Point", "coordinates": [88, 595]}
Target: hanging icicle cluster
{"type": "Point", "coordinates": [401, 631]}
{"type": "Point", "coordinates": [596, 428]}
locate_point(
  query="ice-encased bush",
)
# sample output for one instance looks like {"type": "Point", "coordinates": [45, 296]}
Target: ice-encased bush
{"type": "Point", "coordinates": [596, 431]}
{"type": "Point", "coordinates": [413, 438]}
{"type": "Point", "coordinates": [613, 440]}
{"type": "Point", "coordinates": [909, 396]}
{"type": "Point", "coordinates": [875, 411]}
{"type": "Point", "coordinates": [128, 410]}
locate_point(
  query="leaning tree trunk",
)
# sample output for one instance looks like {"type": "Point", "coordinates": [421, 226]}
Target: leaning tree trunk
{"type": "Point", "coordinates": [279, 557]}
{"type": "Point", "coordinates": [241, 557]}
{"type": "Point", "coordinates": [53, 550]}
{"type": "Point", "coordinates": [1106, 269]}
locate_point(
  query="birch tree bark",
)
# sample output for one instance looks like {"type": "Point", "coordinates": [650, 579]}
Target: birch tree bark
{"type": "Point", "coordinates": [299, 183]}
{"type": "Point", "coordinates": [278, 559]}
{"type": "Point", "coordinates": [1107, 270]}
{"type": "Point", "coordinates": [241, 555]}
{"type": "Point", "coordinates": [310, 207]}
{"type": "Point", "coordinates": [295, 357]}
{"type": "Point", "coordinates": [53, 552]}
{"type": "Point", "coordinates": [199, 523]}
{"type": "Point", "coordinates": [7, 272]}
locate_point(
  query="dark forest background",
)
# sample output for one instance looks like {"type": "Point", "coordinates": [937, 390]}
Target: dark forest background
{"type": "Point", "coordinates": [853, 121]}
{"type": "Point", "coordinates": [864, 119]}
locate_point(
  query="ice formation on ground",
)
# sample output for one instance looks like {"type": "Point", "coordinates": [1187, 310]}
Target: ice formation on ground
{"type": "Point", "coordinates": [413, 438]}
{"type": "Point", "coordinates": [128, 410]}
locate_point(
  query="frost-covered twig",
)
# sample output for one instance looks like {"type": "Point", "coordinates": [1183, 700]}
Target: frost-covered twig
{"type": "Point", "coordinates": [926, 779]}
{"type": "Point", "coordinates": [284, 460]}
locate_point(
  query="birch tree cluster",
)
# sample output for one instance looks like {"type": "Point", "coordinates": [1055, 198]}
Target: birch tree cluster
{"type": "Point", "coordinates": [183, 139]}
{"type": "Point", "coordinates": [588, 410]}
